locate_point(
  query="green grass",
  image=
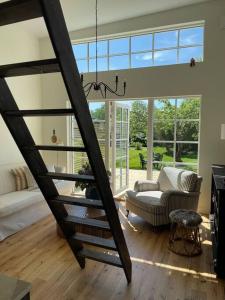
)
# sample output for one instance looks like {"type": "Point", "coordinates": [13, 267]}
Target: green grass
{"type": "Point", "coordinates": [162, 150]}
{"type": "Point", "coordinates": [135, 160]}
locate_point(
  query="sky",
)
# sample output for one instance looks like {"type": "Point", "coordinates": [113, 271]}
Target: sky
{"type": "Point", "coordinates": [146, 50]}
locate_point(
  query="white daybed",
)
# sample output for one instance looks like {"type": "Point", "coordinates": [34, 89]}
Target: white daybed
{"type": "Point", "coordinates": [19, 209]}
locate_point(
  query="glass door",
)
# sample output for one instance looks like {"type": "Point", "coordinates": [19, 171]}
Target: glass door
{"type": "Point", "coordinates": [111, 122]}
{"type": "Point", "coordinates": [98, 113]}
{"type": "Point", "coordinates": [120, 146]}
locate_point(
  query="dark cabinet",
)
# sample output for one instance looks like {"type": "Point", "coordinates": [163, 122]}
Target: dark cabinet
{"type": "Point", "coordinates": [217, 219]}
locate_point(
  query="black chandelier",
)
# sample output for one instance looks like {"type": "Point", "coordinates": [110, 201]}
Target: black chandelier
{"type": "Point", "coordinates": [96, 85]}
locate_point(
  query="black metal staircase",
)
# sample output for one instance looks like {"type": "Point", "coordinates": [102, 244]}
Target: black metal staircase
{"type": "Point", "coordinates": [20, 10]}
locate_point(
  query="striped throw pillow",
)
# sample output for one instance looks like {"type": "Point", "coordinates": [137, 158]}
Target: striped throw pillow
{"type": "Point", "coordinates": [188, 181]}
{"type": "Point", "coordinates": [31, 182]}
{"type": "Point", "coordinates": [20, 178]}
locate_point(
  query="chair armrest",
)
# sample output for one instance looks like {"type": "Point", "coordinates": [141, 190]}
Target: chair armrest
{"type": "Point", "coordinates": [179, 199]}
{"type": "Point", "coordinates": [146, 185]}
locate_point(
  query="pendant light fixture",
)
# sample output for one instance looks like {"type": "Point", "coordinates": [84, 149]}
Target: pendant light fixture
{"type": "Point", "coordinates": [97, 85]}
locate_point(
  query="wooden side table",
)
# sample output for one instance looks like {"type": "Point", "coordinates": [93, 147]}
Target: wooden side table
{"type": "Point", "coordinates": [184, 234]}
{"type": "Point", "coordinates": [13, 288]}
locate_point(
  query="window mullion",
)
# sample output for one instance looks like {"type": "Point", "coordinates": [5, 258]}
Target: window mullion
{"type": "Point", "coordinates": [153, 49]}
{"type": "Point", "coordinates": [150, 138]}
{"type": "Point", "coordinates": [175, 133]}
{"type": "Point", "coordinates": [178, 47]}
{"type": "Point", "coordinates": [130, 52]}
{"type": "Point", "coordinates": [88, 56]}
{"type": "Point", "coordinates": [108, 54]}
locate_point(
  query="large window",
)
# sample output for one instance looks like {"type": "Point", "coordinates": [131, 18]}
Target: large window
{"type": "Point", "coordinates": [139, 137]}
{"type": "Point", "coordinates": [144, 50]}
{"type": "Point", "coordinates": [176, 133]}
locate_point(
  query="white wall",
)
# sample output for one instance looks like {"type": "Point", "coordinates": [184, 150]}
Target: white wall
{"type": "Point", "coordinates": [17, 46]}
{"type": "Point", "coordinates": [206, 79]}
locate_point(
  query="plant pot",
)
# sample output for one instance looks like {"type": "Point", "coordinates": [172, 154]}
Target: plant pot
{"type": "Point", "coordinates": [92, 193]}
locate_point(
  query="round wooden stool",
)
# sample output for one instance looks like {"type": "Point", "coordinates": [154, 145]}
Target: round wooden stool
{"type": "Point", "coordinates": [184, 236]}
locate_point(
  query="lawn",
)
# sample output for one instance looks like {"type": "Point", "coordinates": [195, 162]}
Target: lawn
{"type": "Point", "coordinates": [135, 160]}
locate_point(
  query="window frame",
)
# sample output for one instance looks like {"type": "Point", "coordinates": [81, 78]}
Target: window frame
{"type": "Point", "coordinates": [174, 142]}
{"type": "Point", "coordinates": [152, 51]}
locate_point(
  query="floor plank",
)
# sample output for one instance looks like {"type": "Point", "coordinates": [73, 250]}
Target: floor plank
{"type": "Point", "coordinates": [39, 256]}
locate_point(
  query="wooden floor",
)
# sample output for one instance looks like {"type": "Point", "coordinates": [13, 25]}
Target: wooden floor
{"type": "Point", "coordinates": [39, 256]}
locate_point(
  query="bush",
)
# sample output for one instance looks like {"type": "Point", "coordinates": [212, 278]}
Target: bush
{"type": "Point", "coordinates": [138, 146]}
{"type": "Point", "coordinates": [138, 138]}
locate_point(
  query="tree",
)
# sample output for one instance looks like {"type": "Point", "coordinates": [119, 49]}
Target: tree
{"type": "Point", "coordinates": [98, 113]}
{"type": "Point", "coordinates": [138, 121]}
{"type": "Point", "coordinates": [164, 127]}
{"type": "Point", "coordinates": [164, 113]}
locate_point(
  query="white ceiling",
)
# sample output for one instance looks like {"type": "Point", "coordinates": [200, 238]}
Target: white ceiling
{"type": "Point", "coordinates": [79, 14]}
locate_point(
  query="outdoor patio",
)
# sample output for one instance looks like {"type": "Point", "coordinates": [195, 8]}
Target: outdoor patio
{"type": "Point", "coordinates": [135, 175]}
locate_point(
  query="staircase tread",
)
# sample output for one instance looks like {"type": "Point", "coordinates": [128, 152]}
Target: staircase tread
{"type": "Point", "coordinates": [60, 148]}
{"type": "Point", "coordinates": [17, 11]}
{"type": "Point", "coordinates": [79, 201]}
{"type": "Point", "coordinates": [88, 222]}
{"type": "Point", "coordinates": [101, 257]}
{"type": "Point", "coordinates": [30, 68]}
{"type": "Point", "coordinates": [40, 112]}
{"type": "Point", "coordinates": [21, 10]}
{"type": "Point", "coordinates": [71, 177]}
{"type": "Point", "coordinates": [96, 241]}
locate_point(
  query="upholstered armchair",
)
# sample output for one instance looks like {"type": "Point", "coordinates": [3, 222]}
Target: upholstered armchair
{"type": "Point", "coordinates": [154, 200]}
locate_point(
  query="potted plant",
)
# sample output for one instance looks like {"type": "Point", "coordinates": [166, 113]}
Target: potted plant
{"type": "Point", "coordinates": [91, 191]}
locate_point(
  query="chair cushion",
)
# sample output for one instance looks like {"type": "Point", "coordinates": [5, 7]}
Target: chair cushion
{"type": "Point", "coordinates": [149, 200]}
{"type": "Point", "coordinates": [188, 181]}
{"type": "Point", "coordinates": [146, 185]}
{"type": "Point", "coordinates": [177, 179]}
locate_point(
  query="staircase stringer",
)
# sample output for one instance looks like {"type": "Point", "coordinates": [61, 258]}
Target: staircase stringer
{"type": "Point", "coordinates": [63, 50]}
{"type": "Point", "coordinates": [32, 157]}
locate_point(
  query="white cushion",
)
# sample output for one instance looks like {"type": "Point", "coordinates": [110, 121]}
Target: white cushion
{"type": "Point", "coordinates": [177, 179]}
{"type": "Point", "coordinates": [146, 185]}
{"type": "Point", "coordinates": [32, 184]}
{"type": "Point", "coordinates": [145, 200]}
{"type": "Point", "coordinates": [15, 201]}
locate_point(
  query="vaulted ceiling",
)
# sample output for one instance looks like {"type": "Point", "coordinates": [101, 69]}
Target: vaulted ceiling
{"type": "Point", "coordinates": [79, 14]}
